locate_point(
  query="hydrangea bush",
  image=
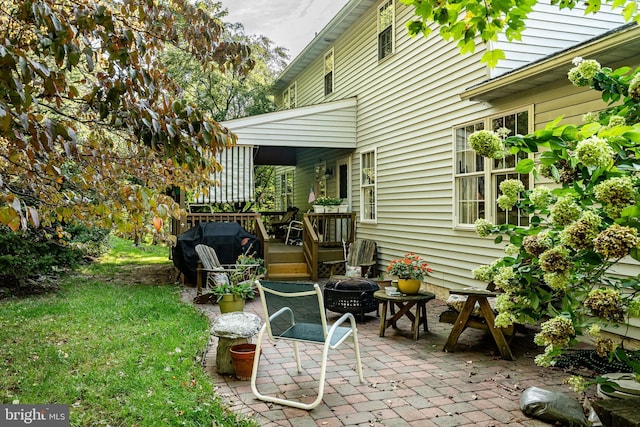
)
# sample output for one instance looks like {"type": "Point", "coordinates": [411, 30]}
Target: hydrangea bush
{"type": "Point", "coordinates": [558, 271]}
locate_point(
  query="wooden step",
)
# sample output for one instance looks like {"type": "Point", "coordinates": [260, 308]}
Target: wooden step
{"type": "Point", "coordinates": [288, 271]}
{"type": "Point", "coordinates": [289, 277]}
{"type": "Point", "coordinates": [286, 257]}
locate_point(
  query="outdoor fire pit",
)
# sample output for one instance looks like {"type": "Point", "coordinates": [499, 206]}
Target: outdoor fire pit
{"type": "Point", "coordinates": [351, 295]}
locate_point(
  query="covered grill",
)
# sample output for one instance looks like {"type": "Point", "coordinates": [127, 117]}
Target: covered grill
{"type": "Point", "coordinates": [351, 295]}
{"type": "Point", "coordinates": [229, 240]}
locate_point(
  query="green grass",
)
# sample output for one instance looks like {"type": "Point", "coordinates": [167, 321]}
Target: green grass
{"type": "Point", "coordinates": [124, 252]}
{"type": "Point", "coordinates": [119, 355]}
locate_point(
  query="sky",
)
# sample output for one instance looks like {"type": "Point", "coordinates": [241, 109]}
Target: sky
{"type": "Point", "coordinates": [289, 23]}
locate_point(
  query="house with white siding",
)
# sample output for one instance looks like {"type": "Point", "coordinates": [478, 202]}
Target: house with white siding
{"type": "Point", "coordinates": [380, 119]}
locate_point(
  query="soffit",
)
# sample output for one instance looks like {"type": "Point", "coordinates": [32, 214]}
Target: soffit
{"type": "Point", "coordinates": [326, 125]}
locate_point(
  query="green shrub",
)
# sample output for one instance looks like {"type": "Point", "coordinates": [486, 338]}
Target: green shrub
{"type": "Point", "coordinates": [34, 253]}
{"type": "Point", "coordinates": [92, 241]}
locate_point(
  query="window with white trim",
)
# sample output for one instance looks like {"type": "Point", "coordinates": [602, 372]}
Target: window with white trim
{"type": "Point", "coordinates": [328, 73]}
{"type": "Point", "coordinates": [386, 25]}
{"type": "Point", "coordinates": [368, 191]}
{"type": "Point", "coordinates": [290, 97]}
{"type": "Point", "coordinates": [477, 179]}
{"type": "Point", "coordinates": [284, 189]}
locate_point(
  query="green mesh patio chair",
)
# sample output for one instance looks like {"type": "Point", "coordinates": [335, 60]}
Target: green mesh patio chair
{"type": "Point", "coordinates": [295, 313]}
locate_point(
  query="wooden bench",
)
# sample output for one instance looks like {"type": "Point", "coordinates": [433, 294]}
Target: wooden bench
{"type": "Point", "coordinates": [466, 318]}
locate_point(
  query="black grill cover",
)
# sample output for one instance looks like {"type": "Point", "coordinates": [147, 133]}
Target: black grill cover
{"type": "Point", "coordinates": [352, 284]}
{"type": "Point", "coordinates": [229, 240]}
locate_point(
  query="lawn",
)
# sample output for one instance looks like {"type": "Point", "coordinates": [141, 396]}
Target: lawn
{"type": "Point", "coordinates": [118, 351]}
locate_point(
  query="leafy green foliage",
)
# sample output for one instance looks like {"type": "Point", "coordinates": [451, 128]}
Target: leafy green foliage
{"type": "Point", "coordinates": [559, 270]}
{"type": "Point", "coordinates": [229, 93]}
{"type": "Point", "coordinates": [469, 20]}
{"type": "Point", "coordinates": [91, 125]}
{"type": "Point", "coordinates": [34, 253]}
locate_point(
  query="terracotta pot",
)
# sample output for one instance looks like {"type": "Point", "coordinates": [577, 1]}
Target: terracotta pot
{"type": "Point", "coordinates": [230, 303]}
{"type": "Point", "coordinates": [409, 286]}
{"type": "Point", "coordinates": [242, 356]}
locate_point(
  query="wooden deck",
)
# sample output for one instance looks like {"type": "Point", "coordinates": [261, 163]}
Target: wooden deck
{"type": "Point", "coordinates": [323, 236]}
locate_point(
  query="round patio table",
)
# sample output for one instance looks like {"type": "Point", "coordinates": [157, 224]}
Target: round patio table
{"type": "Point", "coordinates": [404, 303]}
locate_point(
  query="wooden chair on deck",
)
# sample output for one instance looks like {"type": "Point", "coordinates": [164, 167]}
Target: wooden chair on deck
{"type": "Point", "coordinates": [279, 227]}
{"type": "Point", "coordinates": [361, 259]}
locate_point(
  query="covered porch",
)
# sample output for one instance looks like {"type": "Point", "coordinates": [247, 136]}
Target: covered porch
{"type": "Point", "coordinates": [298, 140]}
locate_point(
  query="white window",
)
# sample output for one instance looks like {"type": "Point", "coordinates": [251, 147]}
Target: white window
{"type": "Point", "coordinates": [386, 21]}
{"type": "Point", "coordinates": [328, 73]}
{"type": "Point", "coordinates": [284, 189]}
{"type": "Point", "coordinates": [368, 205]}
{"type": "Point", "coordinates": [290, 97]}
{"type": "Point", "coordinates": [477, 179]}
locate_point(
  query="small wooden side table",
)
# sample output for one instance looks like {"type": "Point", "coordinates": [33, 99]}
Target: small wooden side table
{"type": "Point", "coordinates": [404, 303]}
{"type": "Point", "coordinates": [480, 296]}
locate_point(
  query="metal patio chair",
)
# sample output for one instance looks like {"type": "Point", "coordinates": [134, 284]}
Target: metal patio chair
{"type": "Point", "coordinates": [295, 313]}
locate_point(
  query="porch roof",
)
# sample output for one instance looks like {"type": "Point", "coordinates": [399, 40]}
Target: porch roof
{"type": "Point", "coordinates": [327, 125]}
{"type": "Point", "coordinates": [613, 46]}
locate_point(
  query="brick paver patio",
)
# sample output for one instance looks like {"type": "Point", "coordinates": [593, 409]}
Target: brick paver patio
{"type": "Point", "coordinates": [407, 382]}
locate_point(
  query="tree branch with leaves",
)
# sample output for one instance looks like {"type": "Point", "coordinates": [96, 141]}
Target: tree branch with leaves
{"type": "Point", "coordinates": [471, 21]}
{"type": "Point", "coordinates": [92, 128]}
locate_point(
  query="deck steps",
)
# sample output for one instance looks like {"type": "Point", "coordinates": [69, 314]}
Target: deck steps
{"type": "Point", "coordinates": [288, 271]}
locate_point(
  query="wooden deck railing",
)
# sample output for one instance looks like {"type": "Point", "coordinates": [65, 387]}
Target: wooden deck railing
{"type": "Point", "coordinates": [250, 221]}
{"type": "Point", "coordinates": [325, 230]}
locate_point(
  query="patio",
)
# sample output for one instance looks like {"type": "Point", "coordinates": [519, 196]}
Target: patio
{"type": "Point", "coordinates": [407, 382]}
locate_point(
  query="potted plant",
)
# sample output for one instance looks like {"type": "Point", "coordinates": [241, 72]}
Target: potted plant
{"type": "Point", "coordinates": [327, 204]}
{"type": "Point", "coordinates": [240, 284]}
{"type": "Point", "coordinates": [410, 270]}
{"type": "Point", "coordinates": [231, 296]}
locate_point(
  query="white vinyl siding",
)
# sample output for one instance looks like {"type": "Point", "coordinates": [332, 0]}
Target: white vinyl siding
{"type": "Point", "coordinates": [550, 29]}
{"type": "Point", "coordinates": [328, 125]}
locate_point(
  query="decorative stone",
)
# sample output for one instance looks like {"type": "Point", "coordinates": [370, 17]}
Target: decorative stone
{"type": "Point", "coordinates": [231, 329]}
{"type": "Point", "coordinates": [236, 325]}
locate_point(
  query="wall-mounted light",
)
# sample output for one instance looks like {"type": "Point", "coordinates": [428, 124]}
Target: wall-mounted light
{"type": "Point", "coordinates": [328, 173]}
